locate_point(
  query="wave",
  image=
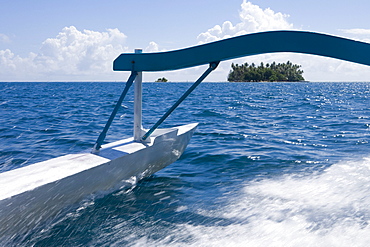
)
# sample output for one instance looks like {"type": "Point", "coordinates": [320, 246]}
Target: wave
{"type": "Point", "coordinates": [326, 209]}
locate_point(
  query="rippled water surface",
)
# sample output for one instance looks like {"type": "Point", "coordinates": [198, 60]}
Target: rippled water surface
{"type": "Point", "coordinates": [271, 164]}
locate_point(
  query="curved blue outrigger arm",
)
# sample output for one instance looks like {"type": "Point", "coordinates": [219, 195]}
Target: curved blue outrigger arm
{"type": "Point", "coordinates": [241, 46]}
{"type": "Point", "coordinates": [247, 45]}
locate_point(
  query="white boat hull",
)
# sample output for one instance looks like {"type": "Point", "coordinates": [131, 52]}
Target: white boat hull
{"type": "Point", "coordinates": [32, 194]}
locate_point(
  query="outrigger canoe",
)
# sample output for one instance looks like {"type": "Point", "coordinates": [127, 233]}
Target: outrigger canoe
{"type": "Point", "coordinates": [30, 195]}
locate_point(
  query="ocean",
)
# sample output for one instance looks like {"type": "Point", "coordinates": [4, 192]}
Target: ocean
{"type": "Point", "coordinates": [270, 164]}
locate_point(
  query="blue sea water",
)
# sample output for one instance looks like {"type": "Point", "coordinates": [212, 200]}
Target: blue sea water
{"type": "Point", "coordinates": [271, 164]}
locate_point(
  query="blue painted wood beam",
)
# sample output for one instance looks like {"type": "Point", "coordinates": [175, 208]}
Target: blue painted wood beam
{"type": "Point", "coordinates": [247, 45]}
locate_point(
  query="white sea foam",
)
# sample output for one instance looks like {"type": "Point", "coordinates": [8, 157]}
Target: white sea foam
{"type": "Point", "coordinates": [327, 209]}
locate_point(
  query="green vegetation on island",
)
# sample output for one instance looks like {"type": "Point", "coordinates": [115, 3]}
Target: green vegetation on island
{"type": "Point", "coordinates": [269, 72]}
{"type": "Point", "coordinates": [163, 79]}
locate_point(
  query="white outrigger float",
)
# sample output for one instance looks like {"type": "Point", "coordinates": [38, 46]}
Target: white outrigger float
{"type": "Point", "coordinates": [32, 194]}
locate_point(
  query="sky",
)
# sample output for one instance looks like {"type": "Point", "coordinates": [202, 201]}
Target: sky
{"type": "Point", "coordinates": [78, 40]}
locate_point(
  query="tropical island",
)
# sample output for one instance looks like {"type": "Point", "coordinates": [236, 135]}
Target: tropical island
{"type": "Point", "coordinates": [269, 72]}
{"type": "Point", "coordinates": [163, 79]}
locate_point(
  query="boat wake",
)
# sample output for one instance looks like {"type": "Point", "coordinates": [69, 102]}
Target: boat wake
{"type": "Point", "coordinates": [326, 209]}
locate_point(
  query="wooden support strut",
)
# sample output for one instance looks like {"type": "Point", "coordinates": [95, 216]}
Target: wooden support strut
{"type": "Point", "coordinates": [102, 135]}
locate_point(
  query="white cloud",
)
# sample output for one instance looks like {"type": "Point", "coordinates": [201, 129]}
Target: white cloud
{"type": "Point", "coordinates": [255, 19]}
{"type": "Point", "coordinates": [152, 47]}
{"type": "Point", "coordinates": [356, 31]}
{"type": "Point", "coordinates": [252, 19]}
{"type": "Point", "coordinates": [76, 52]}
{"type": "Point", "coordinates": [72, 54]}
